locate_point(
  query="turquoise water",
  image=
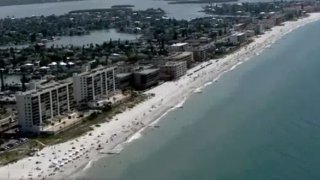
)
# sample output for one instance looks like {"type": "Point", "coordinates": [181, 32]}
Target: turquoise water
{"type": "Point", "coordinates": [260, 121]}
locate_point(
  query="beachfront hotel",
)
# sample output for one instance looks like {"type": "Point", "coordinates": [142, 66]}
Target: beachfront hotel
{"type": "Point", "coordinates": [182, 56]}
{"type": "Point", "coordinates": [174, 69]}
{"type": "Point", "coordinates": [145, 78]}
{"type": "Point", "coordinates": [44, 105]}
{"type": "Point", "coordinates": [92, 85]}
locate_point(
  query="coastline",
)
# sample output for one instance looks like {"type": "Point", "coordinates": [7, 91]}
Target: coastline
{"type": "Point", "coordinates": [131, 123]}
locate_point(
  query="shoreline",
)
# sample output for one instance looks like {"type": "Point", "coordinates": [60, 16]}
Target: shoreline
{"type": "Point", "coordinates": [129, 125]}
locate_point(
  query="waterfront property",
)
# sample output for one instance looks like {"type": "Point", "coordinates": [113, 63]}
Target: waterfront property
{"type": "Point", "coordinates": [94, 84]}
{"type": "Point", "coordinates": [41, 109]}
{"type": "Point", "coordinates": [173, 69]}
{"type": "Point", "coordinates": [179, 47]}
{"type": "Point", "coordinates": [146, 78]}
{"type": "Point", "coordinates": [124, 80]}
{"type": "Point", "coordinates": [237, 38]}
{"type": "Point", "coordinates": [42, 106]}
{"type": "Point", "coordinates": [182, 56]}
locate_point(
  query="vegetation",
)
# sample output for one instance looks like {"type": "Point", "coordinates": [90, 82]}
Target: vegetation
{"type": "Point", "coordinates": [18, 153]}
{"type": "Point", "coordinates": [93, 119]}
{"type": "Point", "coordinates": [3, 113]}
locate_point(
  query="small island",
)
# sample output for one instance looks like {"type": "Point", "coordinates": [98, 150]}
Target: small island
{"type": "Point", "coordinates": [198, 1]}
{"type": "Point", "coordinates": [23, 2]}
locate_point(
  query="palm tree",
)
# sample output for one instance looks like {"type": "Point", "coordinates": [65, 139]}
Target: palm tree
{"type": "Point", "coordinates": [23, 81]}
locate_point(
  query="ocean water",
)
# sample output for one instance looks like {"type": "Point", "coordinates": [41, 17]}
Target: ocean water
{"type": "Point", "coordinates": [260, 121]}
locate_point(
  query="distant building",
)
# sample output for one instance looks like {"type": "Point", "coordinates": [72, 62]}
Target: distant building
{"type": "Point", "coordinates": [268, 23]}
{"type": "Point", "coordinates": [41, 106]}
{"type": "Point", "coordinates": [146, 78]}
{"type": "Point", "coordinates": [92, 85]}
{"type": "Point", "coordinates": [293, 11]}
{"type": "Point", "coordinates": [201, 48]}
{"type": "Point", "coordinates": [124, 80]}
{"type": "Point", "coordinates": [259, 29]}
{"type": "Point", "coordinates": [238, 27]}
{"type": "Point", "coordinates": [199, 54]}
{"type": "Point", "coordinates": [280, 18]}
{"type": "Point", "coordinates": [182, 56]}
{"type": "Point", "coordinates": [179, 47]}
{"type": "Point", "coordinates": [174, 69]}
{"type": "Point", "coordinates": [250, 33]}
{"type": "Point", "coordinates": [237, 38]}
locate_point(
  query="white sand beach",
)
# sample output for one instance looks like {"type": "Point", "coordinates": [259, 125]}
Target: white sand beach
{"type": "Point", "coordinates": [64, 159]}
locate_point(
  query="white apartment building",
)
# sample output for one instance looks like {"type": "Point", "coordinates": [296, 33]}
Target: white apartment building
{"type": "Point", "coordinates": [41, 106]}
{"type": "Point", "coordinates": [94, 84]}
{"type": "Point", "coordinates": [237, 38]}
{"type": "Point", "coordinates": [174, 69]}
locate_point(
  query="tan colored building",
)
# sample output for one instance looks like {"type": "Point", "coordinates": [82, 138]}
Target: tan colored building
{"type": "Point", "coordinates": [174, 69]}
{"type": "Point", "coordinates": [182, 56]}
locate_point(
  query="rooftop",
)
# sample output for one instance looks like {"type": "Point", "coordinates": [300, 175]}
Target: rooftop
{"type": "Point", "coordinates": [47, 86]}
{"type": "Point", "coordinates": [173, 63]}
{"type": "Point", "coordinates": [180, 55]}
{"type": "Point", "coordinates": [96, 70]}
{"type": "Point", "coordinates": [120, 75]}
{"type": "Point", "coordinates": [147, 71]}
{"type": "Point", "coordinates": [179, 44]}
{"type": "Point", "coordinates": [238, 34]}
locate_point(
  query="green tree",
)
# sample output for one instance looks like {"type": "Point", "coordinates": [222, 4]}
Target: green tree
{"type": "Point", "coordinates": [23, 82]}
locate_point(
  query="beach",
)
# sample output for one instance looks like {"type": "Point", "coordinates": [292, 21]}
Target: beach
{"type": "Point", "coordinates": [67, 158]}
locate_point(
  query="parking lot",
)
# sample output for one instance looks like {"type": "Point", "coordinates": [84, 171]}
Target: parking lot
{"type": "Point", "coordinates": [12, 143]}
